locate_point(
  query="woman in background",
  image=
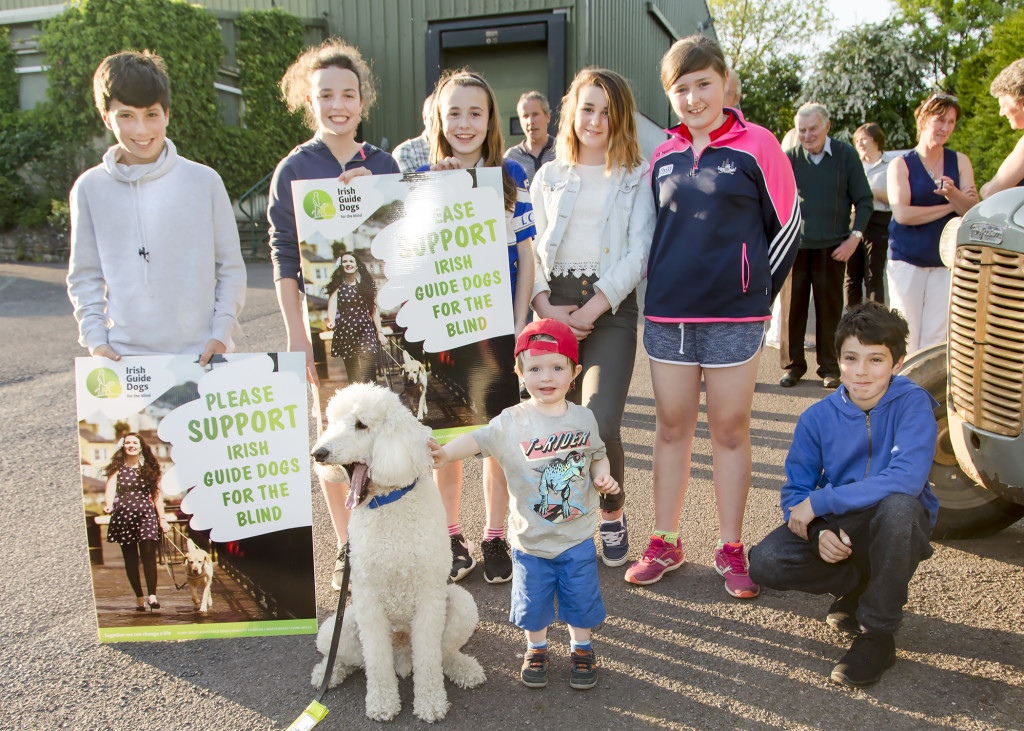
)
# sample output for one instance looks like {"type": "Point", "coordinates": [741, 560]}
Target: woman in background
{"type": "Point", "coordinates": [865, 269]}
{"type": "Point", "coordinates": [136, 509]}
{"type": "Point", "coordinates": [927, 187]}
{"type": "Point", "coordinates": [353, 316]}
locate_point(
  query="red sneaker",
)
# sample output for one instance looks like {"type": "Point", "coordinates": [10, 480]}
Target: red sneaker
{"type": "Point", "coordinates": [659, 558]}
{"type": "Point", "coordinates": [731, 563]}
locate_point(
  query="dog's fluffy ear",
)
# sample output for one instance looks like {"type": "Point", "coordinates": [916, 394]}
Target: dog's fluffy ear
{"type": "Point", "coordinates": [400, 449]}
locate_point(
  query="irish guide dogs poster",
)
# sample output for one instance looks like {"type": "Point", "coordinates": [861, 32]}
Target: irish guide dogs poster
{"type": "Point", "coordinates": [407, 285]}
{"type": "Point", "coordinates": [196, 487]}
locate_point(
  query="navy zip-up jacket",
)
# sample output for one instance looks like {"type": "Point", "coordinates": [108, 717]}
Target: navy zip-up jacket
{"type": "Point", "coordinates": [846, 459]}
{"type": "Point", "coordinates": [728, 226]}
{"type": "Point", "coordinates": [311, 160]}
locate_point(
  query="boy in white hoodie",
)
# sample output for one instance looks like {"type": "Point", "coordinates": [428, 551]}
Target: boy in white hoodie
{"type": "Point", "coordinates": [155, 263]}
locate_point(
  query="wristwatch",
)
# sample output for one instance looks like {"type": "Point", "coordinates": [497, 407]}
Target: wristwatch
{"type": "Point", "coordinates": [858, 234]}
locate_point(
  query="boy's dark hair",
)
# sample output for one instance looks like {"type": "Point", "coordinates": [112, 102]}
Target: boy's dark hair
{"type": "Point", "coordinates": [872, 323]}
{"type": "Point", "coordinates": [132, 78]}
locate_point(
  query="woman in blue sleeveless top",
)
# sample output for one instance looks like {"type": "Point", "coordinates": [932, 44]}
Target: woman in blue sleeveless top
{"type": "Point", "coordinates": [927, 186]}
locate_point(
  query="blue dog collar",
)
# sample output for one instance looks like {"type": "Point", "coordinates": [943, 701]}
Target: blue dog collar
{"type": "Point", "coordinates": [390, 497]}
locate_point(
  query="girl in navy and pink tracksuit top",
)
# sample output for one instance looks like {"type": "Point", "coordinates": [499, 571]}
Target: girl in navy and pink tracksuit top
{"type": "Point", "coordinates": [726, 236]}
{"type": "Point", "coordinates": [727, 228]}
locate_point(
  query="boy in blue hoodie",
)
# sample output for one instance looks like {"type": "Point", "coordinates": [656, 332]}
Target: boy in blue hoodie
{"type": "Point", "coordinates": [857, 504]}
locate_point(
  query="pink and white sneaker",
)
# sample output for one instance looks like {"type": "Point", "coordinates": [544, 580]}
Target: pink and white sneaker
{"type": "Point", "coordinates": [731, 563]}
{"type": "Point", "coordinates": [658, 558]}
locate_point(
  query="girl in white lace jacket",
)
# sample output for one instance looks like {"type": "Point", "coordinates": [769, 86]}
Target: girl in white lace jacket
{"type": "Point", "coordinates": [595, 220]}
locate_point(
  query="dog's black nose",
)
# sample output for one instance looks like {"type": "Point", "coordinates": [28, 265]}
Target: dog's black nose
{"type": "Point", "coordinates": [321, 454]}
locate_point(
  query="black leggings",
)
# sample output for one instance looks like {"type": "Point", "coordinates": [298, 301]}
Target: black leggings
{"type": "Point", "coordinates": [361, 368]}
{"type": "Point", "coordinates": [131, 552]}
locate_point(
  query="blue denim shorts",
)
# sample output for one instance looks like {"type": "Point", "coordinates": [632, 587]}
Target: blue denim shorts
{"type": "Point", "coordinates": [707, 344]}
{"type": "Point", "coordinates": [571, 576]}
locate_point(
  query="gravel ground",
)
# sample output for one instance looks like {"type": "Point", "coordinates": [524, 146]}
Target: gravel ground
{"type": "Point", "coordinates": [678, 655]}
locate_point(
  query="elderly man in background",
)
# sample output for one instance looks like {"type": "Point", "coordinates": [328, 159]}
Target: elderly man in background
{"type": "Point", "coordinates": [415, 153]}
{"type": "Point", "coordinates": [538, 147]}
{"type": "Point", "coordinates": [830, 180]}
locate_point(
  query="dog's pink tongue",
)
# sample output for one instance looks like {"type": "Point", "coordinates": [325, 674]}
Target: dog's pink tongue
{"type": "Point", "coordinates": [356, 487]}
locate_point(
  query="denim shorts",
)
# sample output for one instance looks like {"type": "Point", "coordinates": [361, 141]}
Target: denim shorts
{"type": "Point", "coordinates": [571, 576]}
{"type": "Point", "coordinates": [707, 344]}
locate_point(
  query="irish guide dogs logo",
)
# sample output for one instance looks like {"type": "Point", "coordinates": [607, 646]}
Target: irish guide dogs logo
{"type": "Point", "coordinates": [318, 205]}
{"type": "Point", "coordinates": [103, 383]}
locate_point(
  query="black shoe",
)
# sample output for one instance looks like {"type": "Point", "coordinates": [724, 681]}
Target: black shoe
{"type": "Point", "coordinates": [789, 379]}
{"type": "Point", "coordinates": [154, 604]}
{"type": "Point", "coordinates": [462, 559]}
{"type": "Point", "coordinates": [534, 673]}
{"type": "Point", "coordinates": [870, 655]}
{"type": "Point", "coordinates": [497, 564]}
{"type": "Point", "coordinates": [141, 608]}
{"type": "Point", "coordinates": [842, 614]}
{"type": "Point", "coordinates": [583, 674]}
{"type": "Point", "coordinates": [831, 382]}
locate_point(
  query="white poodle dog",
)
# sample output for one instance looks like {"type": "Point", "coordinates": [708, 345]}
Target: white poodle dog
{"type": "Point", "coordinates": [404, 614]}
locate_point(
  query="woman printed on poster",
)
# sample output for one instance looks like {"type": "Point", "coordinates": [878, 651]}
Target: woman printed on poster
{"type": "Point", "coordinates": [136, 509]}
{"type": "Point", "coordinates": [353, 315]}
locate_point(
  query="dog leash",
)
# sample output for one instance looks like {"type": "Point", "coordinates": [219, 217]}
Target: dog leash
{"type": "Point", "coordinates": [169, 564]}
{"type": "Point", "coordinates": [316, 711]}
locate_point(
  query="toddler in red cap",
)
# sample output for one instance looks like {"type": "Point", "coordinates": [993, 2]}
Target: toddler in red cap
{"type": "Point", "coordinates": [555, 462]}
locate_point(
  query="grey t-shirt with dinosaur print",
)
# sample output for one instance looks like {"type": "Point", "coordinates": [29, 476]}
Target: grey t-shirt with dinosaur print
{"type": "Point", "coordinates": [553, 502]}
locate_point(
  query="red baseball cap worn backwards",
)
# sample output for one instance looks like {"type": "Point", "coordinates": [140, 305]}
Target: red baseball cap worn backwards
{"type": "Point", "coordinates": [565, 342]}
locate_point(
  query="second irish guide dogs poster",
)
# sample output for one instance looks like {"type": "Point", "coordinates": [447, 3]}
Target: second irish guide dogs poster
{"type": "Point", "coordinates": [406, 282]}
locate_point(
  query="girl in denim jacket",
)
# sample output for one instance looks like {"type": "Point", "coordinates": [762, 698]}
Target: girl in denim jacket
{"type": "Point", "coordinates": [595, 220]}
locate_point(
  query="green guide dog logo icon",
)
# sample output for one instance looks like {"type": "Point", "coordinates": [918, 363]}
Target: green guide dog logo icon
{"type": "Point", "coordinates": [103, 383]}
{"type": "Point", "coordinates": [318, 205]}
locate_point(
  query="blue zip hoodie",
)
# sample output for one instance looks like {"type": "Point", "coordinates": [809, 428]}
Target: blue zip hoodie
{"type": "Point", "coordinates": [847, 459]}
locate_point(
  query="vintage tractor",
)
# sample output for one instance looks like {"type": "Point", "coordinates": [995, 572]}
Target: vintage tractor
{"type": "Point", "coordinates": [977, 376]}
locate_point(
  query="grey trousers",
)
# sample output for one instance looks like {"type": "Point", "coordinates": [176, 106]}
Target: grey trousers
{"type": "Point", "coordinates": [889, 541]}
{"type": "Point", "coordinates": [607, 356]}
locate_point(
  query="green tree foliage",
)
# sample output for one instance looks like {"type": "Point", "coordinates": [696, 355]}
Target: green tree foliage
{"type": "Point", "coordinates": [982, 134]}
{"type": "Point", "coordinates": [766, 41]}
{"type": "Point", "coordinates": [770, 91]}
{"type": "Point", "coordinates": [869, 74]}
{"type": "Point", "coordinates": [186, 36]}
{"type": "Point", "coordinates": [756, 31]}
{"type": "Point", "coordinates": [945, 33]}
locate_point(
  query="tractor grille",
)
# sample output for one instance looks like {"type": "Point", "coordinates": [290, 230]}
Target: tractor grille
{"type": "Point", "coordinates": [986, 338]}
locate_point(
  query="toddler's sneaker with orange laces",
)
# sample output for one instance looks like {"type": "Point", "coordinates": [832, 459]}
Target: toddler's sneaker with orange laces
{"type": "Point", "coordinates": [534, 672]}
{"type": "Point", "coordinates": [731, 563]}
{"type": "Point", "coordinates": [659, 558]}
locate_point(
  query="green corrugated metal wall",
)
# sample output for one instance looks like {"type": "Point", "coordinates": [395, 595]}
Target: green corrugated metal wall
{"type": "Point", "coordinates": [618, 34]}
{"type": "Point", "coordinates": [391, 33]}
{"type": "Point", "coordinates": [302, 8]}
